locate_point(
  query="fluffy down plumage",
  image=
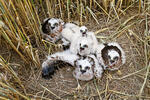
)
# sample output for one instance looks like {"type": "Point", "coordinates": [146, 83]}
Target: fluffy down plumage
{"type": "Point", "coordinates": [85, 44]}
{"type": "Point", "coordinates": [111, 55]}
{"type": "Point", "coordinates": [86, 67]}
{"type": "Point", "coordinates": [51, 29]}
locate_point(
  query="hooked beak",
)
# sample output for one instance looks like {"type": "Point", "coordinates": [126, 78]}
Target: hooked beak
{"type": "Point", "coordinates": [82, 71]}
{"type": "Point", "coordinates": [81, 49]}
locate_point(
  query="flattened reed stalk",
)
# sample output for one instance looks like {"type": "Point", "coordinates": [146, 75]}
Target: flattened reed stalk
{"type": "Point", "coordinates": [7, 91]}
{"type": "Point", "coordinates": [22, 22]}
{"type": "Point", "coordinates": [147, 63]}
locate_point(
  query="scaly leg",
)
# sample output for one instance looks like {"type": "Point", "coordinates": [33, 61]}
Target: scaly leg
{"type": "Point", "coordinates": [79, 86]}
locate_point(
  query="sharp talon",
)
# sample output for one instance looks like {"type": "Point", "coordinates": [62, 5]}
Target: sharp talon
{"type": "Point", "coordinates": [79, 86]}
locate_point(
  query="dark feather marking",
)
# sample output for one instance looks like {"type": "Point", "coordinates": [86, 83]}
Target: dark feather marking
{"type": "Point", "coordinates": [45, 26]}
{"type": "Point", "coordinates": [49, 71]}
{"type": "Point", "coordinates": [65, 47]}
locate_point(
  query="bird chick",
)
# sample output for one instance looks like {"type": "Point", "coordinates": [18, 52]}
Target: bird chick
{"type": "Point", "coordinates": [51, 29]}
{"type": "Point", "coordinates": [86, 67]}
{"type": "Point", "coordinates": [111, 55]}
{"type": "Point", "coordinates": [83, 30]}
{"type": "Point", "coordinates": [83, 46]}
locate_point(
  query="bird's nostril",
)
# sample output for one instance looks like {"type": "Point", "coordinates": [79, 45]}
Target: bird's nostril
{"type": "Point", "coordinates": [52, 28]}
{"type": "Point", "coordinates": [83, 71]}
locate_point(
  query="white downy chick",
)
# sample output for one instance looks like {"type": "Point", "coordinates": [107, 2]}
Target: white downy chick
{"type": "Point", "coordinates": [111, 55]}
{"type": "Point", "coordinates": [87, 67]}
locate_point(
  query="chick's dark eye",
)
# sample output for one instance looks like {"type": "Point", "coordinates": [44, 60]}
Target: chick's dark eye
{"type": "Point", "coordinates": [116, 58]}
{"type": "Point", "coordinates": [87, 67]}
{"type": "Point", "coordinates": [85, 46]}
{"type": "Point", "coordinates": [80, 44]}
{"type": "Point", "coordinates": [56, 24]}
{"type": "Point", "coordinates": [80, 66]}
{"type": "Point", "coordinates": [81, 31]}
{"type": "Point", "coordinates": [49, 24]}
